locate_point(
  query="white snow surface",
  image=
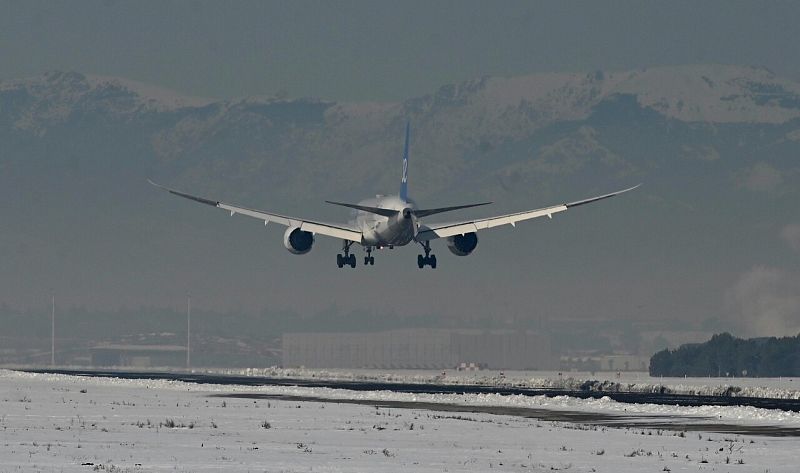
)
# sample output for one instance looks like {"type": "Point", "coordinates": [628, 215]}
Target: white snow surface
{"type": "Point", "coordinates": [734, 414]}
{"type": "Point", "coordinates": [67, 423]}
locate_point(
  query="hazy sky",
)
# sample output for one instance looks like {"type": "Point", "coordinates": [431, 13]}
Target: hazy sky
{"type": "Point", "coordinates": [687, 256]}
{"type": "Point", "coordinates": [368, 50]}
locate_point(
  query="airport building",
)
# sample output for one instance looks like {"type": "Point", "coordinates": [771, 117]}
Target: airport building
{"type": "Point", "coordinates": [139, 356]}
{"type": "Point", "coordinates": [419, 349]}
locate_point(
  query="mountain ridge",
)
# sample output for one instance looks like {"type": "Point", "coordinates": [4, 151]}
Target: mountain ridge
{"type": "Point", "coordinates": [715, 93]}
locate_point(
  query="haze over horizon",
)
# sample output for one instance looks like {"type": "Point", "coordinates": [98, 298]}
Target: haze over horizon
{"type": "Point", "coordinates": [368, 51]}
{"type": "Point", "coordinates": [641, 93]}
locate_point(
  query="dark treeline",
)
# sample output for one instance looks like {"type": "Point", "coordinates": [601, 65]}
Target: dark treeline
{"type": "Point", "coordinates": [726, 355]}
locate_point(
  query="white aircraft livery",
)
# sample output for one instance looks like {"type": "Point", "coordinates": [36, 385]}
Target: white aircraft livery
{"type": "Point", "coordinates": [389, 221]}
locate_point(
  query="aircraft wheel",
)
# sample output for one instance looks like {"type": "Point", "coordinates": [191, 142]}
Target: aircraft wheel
{"type": "Point", "coordinates": [420, 261]}
{"type": "Point", "coordinates": [339, 260]}
{"type": "Point", "coordinates": [432, 261]}
{"type": "Point", "coordinates": [352, 261]}
{"type": "Point", "coordinates": [366, 260]}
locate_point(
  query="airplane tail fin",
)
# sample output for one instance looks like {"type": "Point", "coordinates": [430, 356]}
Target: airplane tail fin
{"type": "Point", "coordinates": [404, 181]}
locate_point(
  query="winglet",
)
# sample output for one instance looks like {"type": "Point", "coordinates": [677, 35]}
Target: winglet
{"type": "Point", "coordinates": [195, 198]}
{"type": "Point", "coordinates": [601, 197]}
{"type": "Point", "coordinates": [404, 181]}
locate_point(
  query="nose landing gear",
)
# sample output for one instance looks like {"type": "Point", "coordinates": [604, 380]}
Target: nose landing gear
{"type": "Point", "coordinates": [428, 259]}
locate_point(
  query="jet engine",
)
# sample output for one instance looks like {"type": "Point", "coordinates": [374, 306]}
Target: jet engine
{"type": "Point", "coordinates": [297, 241]}
{"type": "Point", "coordinates": [462, 245]}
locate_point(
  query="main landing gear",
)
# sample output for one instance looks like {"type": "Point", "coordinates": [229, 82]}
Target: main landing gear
{"type": "Point", "coordinates": [428, 259]}
{"type": "Point", "coordinates": [348, 258]}
{"type": "Point", "coordinates": [369, 259]}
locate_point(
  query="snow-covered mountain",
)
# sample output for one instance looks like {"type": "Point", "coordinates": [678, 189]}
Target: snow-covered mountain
{"type": "Point", "coordinates": [510, 107]}
{"type": "Point", "coordinates": [351, 141]}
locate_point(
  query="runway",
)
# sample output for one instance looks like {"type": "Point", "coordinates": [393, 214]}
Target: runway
{"type": "Point", "coordinates": [675, 424]}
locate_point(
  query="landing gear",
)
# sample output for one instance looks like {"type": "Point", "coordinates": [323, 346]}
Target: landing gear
{"type": "Point", "coordinates": [369, 259]}
{"type": "Point", "coordinates": [428, 259]}
{"type": "Point", "coordinates": [347, 259]}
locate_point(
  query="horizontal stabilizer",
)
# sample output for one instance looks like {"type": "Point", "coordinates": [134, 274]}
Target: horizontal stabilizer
{"type": "Point", "coordinates": [364, 208]}
{"type": "Point", "coordinates": [426, 212]}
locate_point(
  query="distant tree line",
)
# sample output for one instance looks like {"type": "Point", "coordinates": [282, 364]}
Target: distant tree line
{"type": "Point", "coordinates": [726, 355]}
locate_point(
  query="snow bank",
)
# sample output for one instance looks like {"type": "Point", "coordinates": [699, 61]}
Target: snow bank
{"type": "Point", "coordinates": [647, 412]}
{"type": "Point", "coordinates": [774, 388]}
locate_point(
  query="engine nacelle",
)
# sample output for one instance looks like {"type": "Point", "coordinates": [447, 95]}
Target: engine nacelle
{"type": "Point", "coordinates": [297, 241]}
{"type": "Point", "coordinates": [462, 245]}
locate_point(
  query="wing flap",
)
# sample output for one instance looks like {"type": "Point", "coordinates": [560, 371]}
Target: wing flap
{"type": "Point", "coordinates": [265, 216]}
{"type": "Point", "coordinates": [432, 232]}
{"type": "Point", "coordinates": [329, 229]}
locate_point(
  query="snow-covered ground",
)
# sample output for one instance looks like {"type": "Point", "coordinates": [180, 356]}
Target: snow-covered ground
{"type": "Point", "coordinates": [64, 423]}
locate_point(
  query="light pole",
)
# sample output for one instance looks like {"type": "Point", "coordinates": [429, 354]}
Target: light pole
{"type": "Point", "coordinates": [188, 330]}
{"type": "Point", "coordinates": [53, 332]}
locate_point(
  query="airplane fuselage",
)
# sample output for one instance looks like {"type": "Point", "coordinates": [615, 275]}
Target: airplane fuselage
{"type": "Point", "coordinates": [379, 231]}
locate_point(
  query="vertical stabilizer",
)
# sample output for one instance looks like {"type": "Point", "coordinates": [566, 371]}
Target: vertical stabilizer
{"type": "Point", "coordinates": [404, 181]}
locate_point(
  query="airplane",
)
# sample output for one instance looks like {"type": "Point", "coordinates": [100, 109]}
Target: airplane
{"type": "Point", "coordinates": [389, 221]}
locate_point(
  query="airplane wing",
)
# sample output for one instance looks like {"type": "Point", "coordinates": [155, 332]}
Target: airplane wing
{"type": "Point", "coordinates": [333, 230]}
{"type": "Point", "coordinates": [444, 230]}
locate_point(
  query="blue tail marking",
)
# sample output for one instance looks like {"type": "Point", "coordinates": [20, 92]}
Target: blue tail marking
{"type": "Point", "coordinates": [404, 181]}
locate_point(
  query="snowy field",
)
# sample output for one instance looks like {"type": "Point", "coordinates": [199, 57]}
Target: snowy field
{"type": "Point", "coordinates": [64, 423]}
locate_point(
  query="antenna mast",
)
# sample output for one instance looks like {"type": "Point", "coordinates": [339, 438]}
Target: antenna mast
{"type": "Point", "coordinates": [188, 330]}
